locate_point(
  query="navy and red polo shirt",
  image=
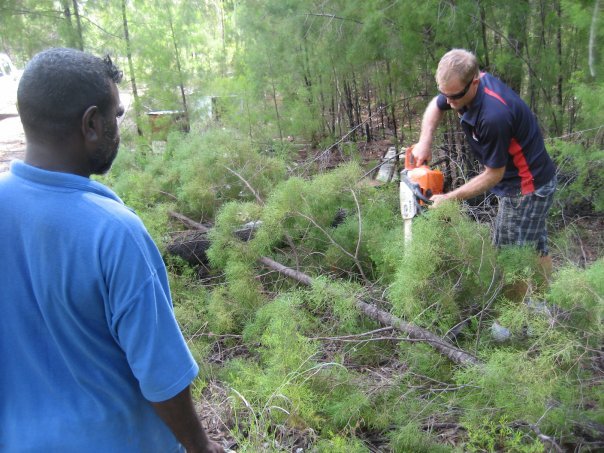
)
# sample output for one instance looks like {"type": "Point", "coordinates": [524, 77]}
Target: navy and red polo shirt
{"type": "Point", "coordinates": [503, 131]}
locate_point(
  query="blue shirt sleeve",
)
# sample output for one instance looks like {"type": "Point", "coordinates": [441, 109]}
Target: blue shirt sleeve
{"type": "Point", "coordinates": [441, 103]}
{"type": "Point", "coordinates": [142, 318]}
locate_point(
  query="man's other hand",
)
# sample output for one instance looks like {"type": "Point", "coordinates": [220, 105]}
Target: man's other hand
{"type": "Point", "coordinates": [421, 153]}
{"type": "Point", "coordinates": [438, 199]}
{"type": "Point", "coordinates": [214, 447]}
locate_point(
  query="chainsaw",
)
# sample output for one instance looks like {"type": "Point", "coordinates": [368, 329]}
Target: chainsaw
{"type": "Point", "coordinates": [417, 185]}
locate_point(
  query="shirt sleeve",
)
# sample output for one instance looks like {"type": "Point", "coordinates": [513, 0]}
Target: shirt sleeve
{"type": "Point", "coordinates": [441, 103]}
{"type": "Point", "coordinates": [142, 318]}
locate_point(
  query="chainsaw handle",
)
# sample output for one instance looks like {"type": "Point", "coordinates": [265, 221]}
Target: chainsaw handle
{"type": "Point", "coordinates": [409, 159]}
{"type": "Point", "coordinates": [422, 197]}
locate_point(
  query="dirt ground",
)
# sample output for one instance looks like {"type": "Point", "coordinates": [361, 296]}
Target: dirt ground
{"type": "Point", "coordinates": [12, 141]}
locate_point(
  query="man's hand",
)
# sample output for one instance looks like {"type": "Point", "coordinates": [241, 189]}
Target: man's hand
{"type": "Point", "coordinates": [421, 153]}
{"type": "Point", "coordinates": [438, 199]}
{"type": "Point", "coordinates": [213, 447]}
{"type": "Point", "coordinates": [474, 187]}
{"type": "Point", "coordinates": [179, 414]}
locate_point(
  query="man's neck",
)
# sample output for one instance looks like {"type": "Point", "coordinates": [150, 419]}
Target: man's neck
{"type": "Point", "coordinates": [52, 159]}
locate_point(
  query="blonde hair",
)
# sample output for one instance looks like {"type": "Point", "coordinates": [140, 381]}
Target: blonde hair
{"type": "Point", "coordinates": [457, 64]}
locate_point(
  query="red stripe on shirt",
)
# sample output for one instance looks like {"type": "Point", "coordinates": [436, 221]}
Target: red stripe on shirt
{"type": "Point", "coordinates": [495, 95]}
{"type": "Point", "coordinates": [526, 177]}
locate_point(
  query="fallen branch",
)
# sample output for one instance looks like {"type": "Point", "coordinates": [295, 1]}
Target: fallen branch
{"type": "Point", "coordinates": [417, 333]}
{"type": "Point", "coordinates": [189, 222]}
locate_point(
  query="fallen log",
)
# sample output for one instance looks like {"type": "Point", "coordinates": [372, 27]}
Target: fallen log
{"type": "Point", "coordinates": [190, 245]}
{"type": "Point", "coordinates": [417, 333]}
{"type": "Point", "coordinates": [455, 354]}
{"type": "Point", "coordinates": [189, 222]}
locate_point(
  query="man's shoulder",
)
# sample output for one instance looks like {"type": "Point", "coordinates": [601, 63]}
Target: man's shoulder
{"type": "Point", "coordinates": [494, 109]}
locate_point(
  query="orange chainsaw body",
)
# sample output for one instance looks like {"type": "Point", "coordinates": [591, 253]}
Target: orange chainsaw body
{"type": "Point", "coordinates": [431, 182]}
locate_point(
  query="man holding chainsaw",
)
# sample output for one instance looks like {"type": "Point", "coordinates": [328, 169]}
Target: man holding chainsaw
{"type": "Point", "coordinates": [504, 135]}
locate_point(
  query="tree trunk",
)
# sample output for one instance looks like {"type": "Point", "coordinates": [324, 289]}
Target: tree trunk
{"type": "Point", "coordinates": [485, 43]}
{"type": "Point", "coordinates": [559, 49]}
{"type": "Point", "coordinates": [357, 102]}
{"type": "Point", "coordinates": [517, 29]}
{"type": "Point", "coordinates": [71, 39]}
{"type": "Point", "coordinates": [181, 79]}
{"type": "Point", "coordinates": [272, 80]}
{"type": "Point", "coordinates": [417, 333]}
{"type": "Point", "coordinates": [392, 104]}
{"type": "Point", "coordinates": [80, 36]}
{"type": "Point", "coordinates": [349, 107]}
{"type": "Point", "coordinates": [369, 126]}
{"type": "Point", "coordinates": [137, 103]}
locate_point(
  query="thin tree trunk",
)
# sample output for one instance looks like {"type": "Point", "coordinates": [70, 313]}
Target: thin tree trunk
{"type": "Point", "coordinates": [417, 333]}
{"type": "Point", "coordinates": [323, 108]}
{"type": "Point", "coordinates": [270, 65]}
{"type": "Point", "coordinates": [559, 48]}
{"type": "Point", "coordinates": [223, 40]}
{"type": "Point", "coordinates": [369, 125]}
{"type": "Point", "coordinates": [181, 80]}
{"type": "Point", "coordinates": [137, 103]}
{"type": "Point", "coordinates": [517, 29]}
{"type": "Point", "coordinates": [349, 107]}
{"type": "Point", "coordinates": [333, 114]}
{"type": "Point", "coordinates": [392, 103]}
{"type": "Point", "coordinates": [79, 25]}
{"type": "Point", "coordinates": [485, 42]}
{"type": "Point", "coordinates": [67, 13]}
{"type": "Point", "coordinates": [337, 103]}
{"type": "Point", "coordinates": [357, 102]}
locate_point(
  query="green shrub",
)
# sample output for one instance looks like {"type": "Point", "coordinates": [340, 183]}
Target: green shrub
{"type": "Point", "coordinates": [410, 438]}
{"type": "Point", "coordinates": [340, 444]}
{"type": "Point", "coordinates": [581, 293]}
{"type": "Point", "coordinates": [509, 384]}
{"type": "Point", "coordinates": [497, 435]}
{"type": "Point", "coordinates": [518, 264]}
{"type": "Point", "coordinates": [583, 166]}
{"type": "Point", "coordinates": [447, 271]}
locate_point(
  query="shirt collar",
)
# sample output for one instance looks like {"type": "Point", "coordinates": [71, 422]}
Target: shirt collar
{"type": "Point", "coordinates": [60, 180]}
{"type": "Point", "coordinates": [470, 113]}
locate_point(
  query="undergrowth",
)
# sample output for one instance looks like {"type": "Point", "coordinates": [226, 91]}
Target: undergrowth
{"type": "Point", "coordinates": [310, 370]}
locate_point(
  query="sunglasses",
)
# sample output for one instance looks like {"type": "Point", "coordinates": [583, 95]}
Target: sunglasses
{"type": "Point", "coordinates": [459, 95]}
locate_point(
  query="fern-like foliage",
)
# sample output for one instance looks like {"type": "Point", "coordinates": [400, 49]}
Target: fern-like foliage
{"type": "Point", "coordinates": [446, 271]}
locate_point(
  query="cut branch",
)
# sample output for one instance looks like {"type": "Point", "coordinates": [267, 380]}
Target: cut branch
{"type": "Point", "coordinates": [416, 333]}
{"type": "Point", "coordinates": [189, 222]}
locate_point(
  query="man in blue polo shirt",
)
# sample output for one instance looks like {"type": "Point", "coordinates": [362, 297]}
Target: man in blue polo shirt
{"type": "Point", "coordinates": [505, 137]}
{"type": "Point", "coordinates": [92, 358]}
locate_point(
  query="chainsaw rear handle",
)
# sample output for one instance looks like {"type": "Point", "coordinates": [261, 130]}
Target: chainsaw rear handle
{"type": "Point", "coordinates": [420, 196]}
{"type": "Point", "coordinates": [410, 160]}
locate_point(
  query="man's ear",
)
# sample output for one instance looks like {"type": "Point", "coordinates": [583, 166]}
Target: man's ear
{"type": "Point", "coordinates": [92, 124]}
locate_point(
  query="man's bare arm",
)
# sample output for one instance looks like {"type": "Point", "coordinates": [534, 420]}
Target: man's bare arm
{"type": "Point", "coordinates": [179, 414]}
{"type": "Point", "coordinates": [475, 186]}
{"type": "Point", "coordinates": [422, 150]}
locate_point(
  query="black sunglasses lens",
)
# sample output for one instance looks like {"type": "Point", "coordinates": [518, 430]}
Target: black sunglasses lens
{"type": "Point", "coordinates": [459, 95]}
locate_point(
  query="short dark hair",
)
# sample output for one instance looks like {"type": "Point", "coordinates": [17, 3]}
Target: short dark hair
{"type": "Point", "coordinates": [58, 85]}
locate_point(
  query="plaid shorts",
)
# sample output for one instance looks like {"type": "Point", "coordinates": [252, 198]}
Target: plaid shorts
{"type": "Point", "coordinates": [521, 219]}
